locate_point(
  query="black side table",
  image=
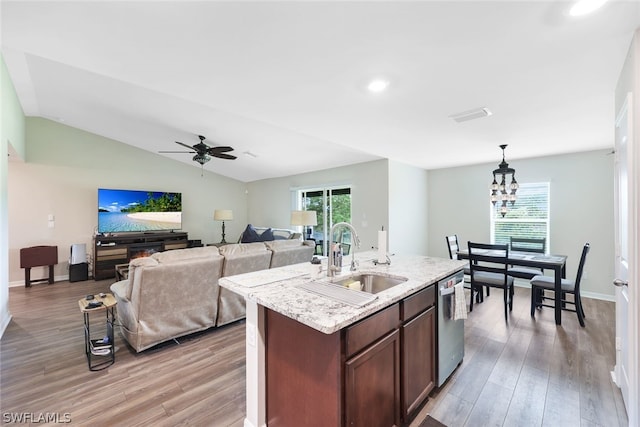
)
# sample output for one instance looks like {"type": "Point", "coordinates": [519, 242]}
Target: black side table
{"type": "Point", "coordinates": [100, 353]}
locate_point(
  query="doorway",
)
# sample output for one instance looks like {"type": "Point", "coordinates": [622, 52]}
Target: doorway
{"type": "Point", "coordinates": [332, 205]}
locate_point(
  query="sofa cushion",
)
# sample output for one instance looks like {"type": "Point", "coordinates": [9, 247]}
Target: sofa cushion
{"type": "Point", "coordinates": [185, 254]}
{"type": "Point", "coordinates": [245, 257]}
{"type": "Point", "coordinates": [283, 244]}
{"type": "Point", "coordinates": [287, 252]}
{"type": "Point", "coordinates": [234, 249]}
{"type": "Point", "coordinates": [121, 289]}
{"type": "Point", "coordinates": [134, 265]}
{"type": "Point", "coordinates": [239, 258]}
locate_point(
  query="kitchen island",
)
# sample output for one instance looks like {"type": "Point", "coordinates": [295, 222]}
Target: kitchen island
{"type": "Point", "coordinates": [305, 350]}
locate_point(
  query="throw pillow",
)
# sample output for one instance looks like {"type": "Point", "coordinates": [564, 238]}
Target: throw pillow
{"type": "Point", "coordinates": [250, 235]}
{"type": "Point", "coordinates": [267, 235]}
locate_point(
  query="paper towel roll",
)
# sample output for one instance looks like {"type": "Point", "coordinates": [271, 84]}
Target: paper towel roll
{"type": "Point", "coordinates": [382, 246]}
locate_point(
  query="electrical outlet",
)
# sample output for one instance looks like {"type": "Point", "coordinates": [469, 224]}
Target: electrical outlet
{"type": "Point", "coordinates": [618, 344]}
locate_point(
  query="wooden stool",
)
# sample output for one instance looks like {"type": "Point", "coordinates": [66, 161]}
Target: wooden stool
{"type": "Point", "coordinates": [38, 256]}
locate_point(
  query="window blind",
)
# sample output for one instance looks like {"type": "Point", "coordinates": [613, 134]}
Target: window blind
{"type": "Point", "coordinates": [527, 218]}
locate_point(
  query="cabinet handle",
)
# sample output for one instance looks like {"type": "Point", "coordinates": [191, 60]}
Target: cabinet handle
{"type": "Point", "coordinates": [620, 283]}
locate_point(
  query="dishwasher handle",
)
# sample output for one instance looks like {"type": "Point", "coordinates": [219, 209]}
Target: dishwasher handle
{"type": "Point", "coordinates": [445, 289]}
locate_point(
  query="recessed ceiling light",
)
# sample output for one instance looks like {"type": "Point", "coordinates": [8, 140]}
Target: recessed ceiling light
{"type": "Point", "coordinates": [582, 7]}
{"type": "Point", "coordinates": [377, 85]}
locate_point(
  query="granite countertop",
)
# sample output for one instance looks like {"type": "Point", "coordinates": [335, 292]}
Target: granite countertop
{"type": "Point", "coordinates": [277, 288]}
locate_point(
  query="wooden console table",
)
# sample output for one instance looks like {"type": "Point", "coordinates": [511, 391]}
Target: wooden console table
{"type": "Point", "coordinates": [110, 251]}
{"type": "Point", "coordinates": [38, 256]}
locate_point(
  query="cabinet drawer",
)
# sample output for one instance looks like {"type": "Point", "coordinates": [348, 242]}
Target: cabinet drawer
{"type": "Point", "coordinates": [175, 245]}
{"type": "Point", "coordinates": [418, 302]}
{"type": "Point", "coordinates": [111, 252]}
{"type": "Point", "coordinates": [370, 329]}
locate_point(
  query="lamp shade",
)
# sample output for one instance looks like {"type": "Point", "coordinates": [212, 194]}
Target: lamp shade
{"type": "Point", "coordinates": [223, 215]}
{"type": "Point", "coordinates": [304, 218]}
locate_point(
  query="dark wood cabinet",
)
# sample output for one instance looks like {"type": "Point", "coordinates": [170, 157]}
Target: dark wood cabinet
{"type": "Point", "coordinates": [378, 371]}
{"type": "Point", "coordinates": [418, 339]}
{"type": "Point", "coordinates": [418, 361]}
{"type": "Point", "coordinates": [108, 251]}
{"type": "Point", "coordinates": [303, 374]}
{"type": "Point", "coordinates": [372, 384]}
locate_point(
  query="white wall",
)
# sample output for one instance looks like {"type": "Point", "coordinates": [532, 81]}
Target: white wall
{"type": "Point", "coordinates": [12, 140]}
{"type": "Point", "coordinates": [269, 200]}
{"type": "Point", "coordinates": [408, 209]}
{"type": "Point", "coordinates": [64, 168]}
{"type": "Point", "coordinates": [581, 187]}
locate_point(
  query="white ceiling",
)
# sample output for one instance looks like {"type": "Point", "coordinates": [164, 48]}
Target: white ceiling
{"type": "Point", "coordinates": [286, 80]}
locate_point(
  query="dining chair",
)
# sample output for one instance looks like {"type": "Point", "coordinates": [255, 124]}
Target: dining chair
{"type": "Point", "coordinates": [453, 246]}
{"type": "Point", "coordinates": [522, 244]}
{"type": "Point", "coordinates": [489, 264]}
{"type": "Point", "coordinates": [540, 284]}
{"type": "Point", "coordinates": [519, 244]}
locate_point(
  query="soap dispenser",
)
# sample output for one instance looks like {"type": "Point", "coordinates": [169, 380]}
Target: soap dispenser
{"type": "Point", "coordinates": [337, 257]}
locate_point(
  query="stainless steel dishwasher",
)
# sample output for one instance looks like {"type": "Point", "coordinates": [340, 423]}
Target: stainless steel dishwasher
{"type": "Point", "coordinates": [450, 332]}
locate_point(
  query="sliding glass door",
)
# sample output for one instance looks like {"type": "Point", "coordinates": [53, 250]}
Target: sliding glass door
{"type": "Point", "coordinates": [332, 205]}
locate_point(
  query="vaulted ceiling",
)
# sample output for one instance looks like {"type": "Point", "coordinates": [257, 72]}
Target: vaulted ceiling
{"type": "Point", "coordinates": [284, 83]}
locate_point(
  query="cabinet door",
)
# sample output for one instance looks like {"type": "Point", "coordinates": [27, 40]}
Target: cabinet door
{"type": "Point", "coordinates": [418, 361]}
{"type": "Point", "coordinates": [372, 389]}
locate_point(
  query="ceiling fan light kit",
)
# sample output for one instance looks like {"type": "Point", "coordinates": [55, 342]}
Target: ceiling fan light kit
{"type": "Point", "coordinates": [203, 152]}
{"type": "Point", "coordinates": [201, 158]}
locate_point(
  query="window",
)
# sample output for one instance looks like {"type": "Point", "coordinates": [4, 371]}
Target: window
{"type": "Point", "coordinates": [332, 205]}
{"type": "Point", "coordinates": [527, 218]}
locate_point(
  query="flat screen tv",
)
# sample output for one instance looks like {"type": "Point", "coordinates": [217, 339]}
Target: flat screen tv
{"type": "Point", "coordinates": [122, 211]}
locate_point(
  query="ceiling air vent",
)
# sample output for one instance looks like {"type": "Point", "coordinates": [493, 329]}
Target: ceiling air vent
{"type": "Point", "coordinates": [471, 114]}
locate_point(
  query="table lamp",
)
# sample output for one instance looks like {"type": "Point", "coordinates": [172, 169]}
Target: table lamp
{"type": "Point", "coordinates": [223, 215]}
{"type": "Point", "coordinates": [304, 218]}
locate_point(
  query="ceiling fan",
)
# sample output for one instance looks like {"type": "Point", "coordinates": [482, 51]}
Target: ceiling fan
{"type": "Point", "coordinates": [203, 152]}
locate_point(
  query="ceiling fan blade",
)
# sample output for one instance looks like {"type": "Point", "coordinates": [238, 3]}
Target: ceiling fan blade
{"type": "Point", "coordinates": [191, 152]}
{"type": "Point", "coordinates": [223, 156]}
{"type": "Point", "coordinates": [185, 145]}
{"type": "Point", "coordinates": [221, 149]}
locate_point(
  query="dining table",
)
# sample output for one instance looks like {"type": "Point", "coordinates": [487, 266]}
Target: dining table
{"type": "Point", "coordinates": [556, 263]}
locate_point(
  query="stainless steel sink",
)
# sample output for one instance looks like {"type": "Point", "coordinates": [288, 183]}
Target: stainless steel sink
{"type": "Point", "coordinates": [371, 283]}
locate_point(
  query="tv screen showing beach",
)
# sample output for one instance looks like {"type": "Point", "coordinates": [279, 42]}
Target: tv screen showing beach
{"type": "Point", "coordinates": [138, 211]}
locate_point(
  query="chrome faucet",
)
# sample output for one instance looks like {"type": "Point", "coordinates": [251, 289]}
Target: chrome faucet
{"type": "Point", "coordinates": [331, 268]}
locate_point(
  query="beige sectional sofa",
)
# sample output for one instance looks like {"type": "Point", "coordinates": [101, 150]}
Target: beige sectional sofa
{"type": "Point", "coordinates": [176, 293]}
{"type": "Point", "coordinates": [238, 259]}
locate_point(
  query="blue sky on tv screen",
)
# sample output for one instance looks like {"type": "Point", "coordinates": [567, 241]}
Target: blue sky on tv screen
{"type": "Point", "coordinates": [114, 200]}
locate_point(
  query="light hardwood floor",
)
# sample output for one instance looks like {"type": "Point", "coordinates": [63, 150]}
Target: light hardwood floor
{"type": "Point", "coordinates": [527, 373]}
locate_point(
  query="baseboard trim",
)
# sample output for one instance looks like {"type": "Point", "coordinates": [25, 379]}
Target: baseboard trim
{"type": "Point", "coordinates": [594, 295]}
{"type": "Point", "coordinates": [20, 283]}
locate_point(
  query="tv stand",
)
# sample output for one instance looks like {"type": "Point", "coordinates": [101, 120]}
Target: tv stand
{"type": "Point", "coordinates": [108, 251]}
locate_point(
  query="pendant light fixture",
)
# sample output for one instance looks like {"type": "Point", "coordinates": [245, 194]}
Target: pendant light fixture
{"type": "Point", "coordinates": [500, 192]}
